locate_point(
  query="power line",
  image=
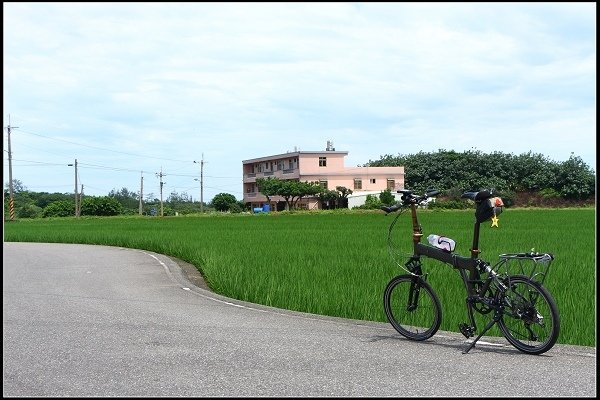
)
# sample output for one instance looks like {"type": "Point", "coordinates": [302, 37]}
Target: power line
{"type": "Point", "coordinates": [93, 166]}
{"type": "Point", "coordinates": [100, 148]}
{"type": "Point", "coordinates": [104, 167]}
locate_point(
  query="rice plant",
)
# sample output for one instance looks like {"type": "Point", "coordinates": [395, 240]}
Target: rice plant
{"type": "Point", "coordinates": [337, 263]}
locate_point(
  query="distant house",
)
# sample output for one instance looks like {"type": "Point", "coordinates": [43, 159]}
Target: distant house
{"type": "Point", "coordinates": [359, 198]}
{"type": "Point", "coordinates": [326, 167]}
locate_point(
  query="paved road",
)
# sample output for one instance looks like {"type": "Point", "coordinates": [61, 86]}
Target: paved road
{"type": "Point", "coordinates": [102, 321]}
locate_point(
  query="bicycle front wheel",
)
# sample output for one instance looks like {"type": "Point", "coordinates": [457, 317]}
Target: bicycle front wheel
{"type": "Point", "coordinates": [412, 307]}
{"type": "Point", "coordinates": [530, 321]}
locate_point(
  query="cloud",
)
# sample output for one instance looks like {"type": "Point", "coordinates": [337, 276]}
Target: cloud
{"type": "Point", "coordinates": [166, 83]}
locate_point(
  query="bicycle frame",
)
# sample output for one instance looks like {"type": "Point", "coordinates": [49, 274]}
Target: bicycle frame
{"type": "Point", "coordinates": [469, 269]}
{"type": "Point", "coordinates": [471, 264]}
{"type": "Point", "coordinates": [490, 289]}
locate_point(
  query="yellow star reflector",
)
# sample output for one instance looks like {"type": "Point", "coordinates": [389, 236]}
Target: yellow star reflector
{"type": "Point", "coordinates": [495, 221]}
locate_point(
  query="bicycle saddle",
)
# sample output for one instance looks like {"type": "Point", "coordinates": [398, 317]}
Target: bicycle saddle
{"type": "Point", "coordinates": [477, 196]}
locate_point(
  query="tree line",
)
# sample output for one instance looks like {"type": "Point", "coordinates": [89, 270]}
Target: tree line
{"type": "Point", "coordinates": [29, 204]}
{"type": "Point", "coordinates": [450, 172]}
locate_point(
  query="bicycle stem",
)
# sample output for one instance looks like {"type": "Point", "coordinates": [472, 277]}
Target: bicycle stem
{"type": "Point", "coordinates": [417, 230]}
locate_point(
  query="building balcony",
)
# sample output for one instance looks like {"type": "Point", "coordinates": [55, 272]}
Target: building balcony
{"type": "Point", "coordinates": [292, 173]}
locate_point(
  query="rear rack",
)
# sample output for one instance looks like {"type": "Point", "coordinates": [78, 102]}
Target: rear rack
{"type": "Point", "coordinates": [533, 265]}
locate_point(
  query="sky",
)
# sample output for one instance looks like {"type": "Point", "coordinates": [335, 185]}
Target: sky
{"type": "Point", "coordinates": [133, 90]}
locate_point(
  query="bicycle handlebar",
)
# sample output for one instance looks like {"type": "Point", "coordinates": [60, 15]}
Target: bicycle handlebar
{"type": "Point", "coordinates": [392, 208]}
{"type": "Point", "coordinates": [409, 198]}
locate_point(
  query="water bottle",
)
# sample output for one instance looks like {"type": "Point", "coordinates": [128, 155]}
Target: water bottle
{"type": "Point", "coordinates": [441, 242]}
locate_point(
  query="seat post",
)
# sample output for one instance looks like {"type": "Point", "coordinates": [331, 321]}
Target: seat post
{"type": "Point", "coordinates": [475, 248]}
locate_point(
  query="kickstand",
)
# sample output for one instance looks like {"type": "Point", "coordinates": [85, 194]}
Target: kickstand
{"type": "Point", "coordinates": [487, 328]}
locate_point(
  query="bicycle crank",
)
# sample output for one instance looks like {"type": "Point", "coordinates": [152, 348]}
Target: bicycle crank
{"type": "Point", "coordinates": [467, 330]}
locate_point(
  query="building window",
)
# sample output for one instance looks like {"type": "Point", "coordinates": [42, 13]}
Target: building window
{"type": "Point", "coordinates": [322, 161]}
{"type": "Point", "coordinates": [391, 184]}
{"type": "Point", "coordinates": [323, 184]}
{"type": "Point", "coordinates": [357, 184]}
{"type": "Point", "coordinates": [279, 165]}
{"type": "Point", "coordinates": [373, 180]}
{"type": "Point", "coordinates": [290, 164]}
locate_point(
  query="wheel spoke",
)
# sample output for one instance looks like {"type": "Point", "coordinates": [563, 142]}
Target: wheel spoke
{"type": "Point", "coordinates": [530, 321]}
{"type": "Point", "coordinates": [412, 307]}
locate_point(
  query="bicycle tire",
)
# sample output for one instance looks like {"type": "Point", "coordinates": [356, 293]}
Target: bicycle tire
{"type": "Point", "coordinates": [416, 320]}
{"type": "Point", "coordinates": [530, 321]}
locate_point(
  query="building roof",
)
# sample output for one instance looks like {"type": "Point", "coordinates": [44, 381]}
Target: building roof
{"type": "Point", "coordinates": [292, 154]}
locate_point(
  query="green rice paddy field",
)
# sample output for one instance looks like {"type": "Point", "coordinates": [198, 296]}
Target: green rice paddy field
{"type": "Point", "coordinates": [337, 263]}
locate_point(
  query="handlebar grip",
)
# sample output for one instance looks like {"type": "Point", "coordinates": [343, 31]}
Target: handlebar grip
{"type": "Point", "coordinates": [393, 208]}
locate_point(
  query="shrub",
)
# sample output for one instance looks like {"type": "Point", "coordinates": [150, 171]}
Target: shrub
{"type": "Point", "coordinates": [549, 193]}
{"type": "Point", "coordinates": [101, 206]}
{"type": "Point", "coordinates": [387, 198]}
{"type": "Point", "coordinates": [61, 208]}
{"type": "Point", "coordinates": [29, 211]}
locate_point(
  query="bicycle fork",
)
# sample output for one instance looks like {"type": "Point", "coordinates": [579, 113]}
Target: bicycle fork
{"type": "Point", "coordinates": [414, 266]}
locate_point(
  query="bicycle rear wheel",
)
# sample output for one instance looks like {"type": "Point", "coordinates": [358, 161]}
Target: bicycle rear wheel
{"type": "Point", "coordinates": [530, 321]}
{"type": "Point", "coordinates": [412, 307]}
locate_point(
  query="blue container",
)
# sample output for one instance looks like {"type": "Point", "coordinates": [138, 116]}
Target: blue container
{"type": "Point", "coordinates": [266, 207]}
{"type": "Point", "coordinates": [257, 210]}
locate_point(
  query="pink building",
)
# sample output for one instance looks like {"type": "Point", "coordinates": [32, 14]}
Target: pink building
{"type": "Point", "coordinates": [326, 167]}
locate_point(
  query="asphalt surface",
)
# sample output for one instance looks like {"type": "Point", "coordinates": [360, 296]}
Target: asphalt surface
{"type": "Point", "coordinates": [98, 321]}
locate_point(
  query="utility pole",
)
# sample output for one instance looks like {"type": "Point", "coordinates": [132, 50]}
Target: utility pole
{"type": "Point", "coordinates": [201, 183]}
{"type": "Point", "coordinates": [11, 200]}
{"type": "Point", "coordinates": [80, 200]}
{"type": "Point", "coordinates": [141, 190]}
{"type": "Point", "coordinates": [76, 195]}
{"type": "Point", "coordinates": [160, 175]}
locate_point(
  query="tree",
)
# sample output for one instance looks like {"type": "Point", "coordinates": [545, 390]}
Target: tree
{"type": "Point", "coordinates": [387, 198]}
{"type": "Point", "coordinates": [534, 172]}
{"type": "Point", "coordinates": [101, 206]}
{"type": "Point", "coordinates": [42, 199]}
{"type": "Point", "coordinates": [310, 189]}
{"type": "Point", "coordinates": [29, 211]}
{"type": "Point", "coordinates": [575, 179]}
{"type": "Point", "coordinates": [268, 186]}
{"type": "Point", "coordinates": [17, 187]}
{"type": "Point", "coordinates": [61, 208]}
{"type": "Point", "coordinates": [176, 198]}
{"type": "Point", "coordinates": [292, 191]}
{"type": "Point", "coordinates": [474, 170]}
{"type": "Point", "coordinates": [328, 199]}
{"type": "Point", "coordinates": [223, 201]}
{"type": "Point", "coordinates": [337, 198]}
{"type": "Point", "coordinates": [129, 200]}
{"type": "Point", "coordinates": [344, 192]}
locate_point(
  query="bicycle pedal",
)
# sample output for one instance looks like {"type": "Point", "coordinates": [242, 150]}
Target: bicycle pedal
{"type": "Point", "coordinates": [466, 330]}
